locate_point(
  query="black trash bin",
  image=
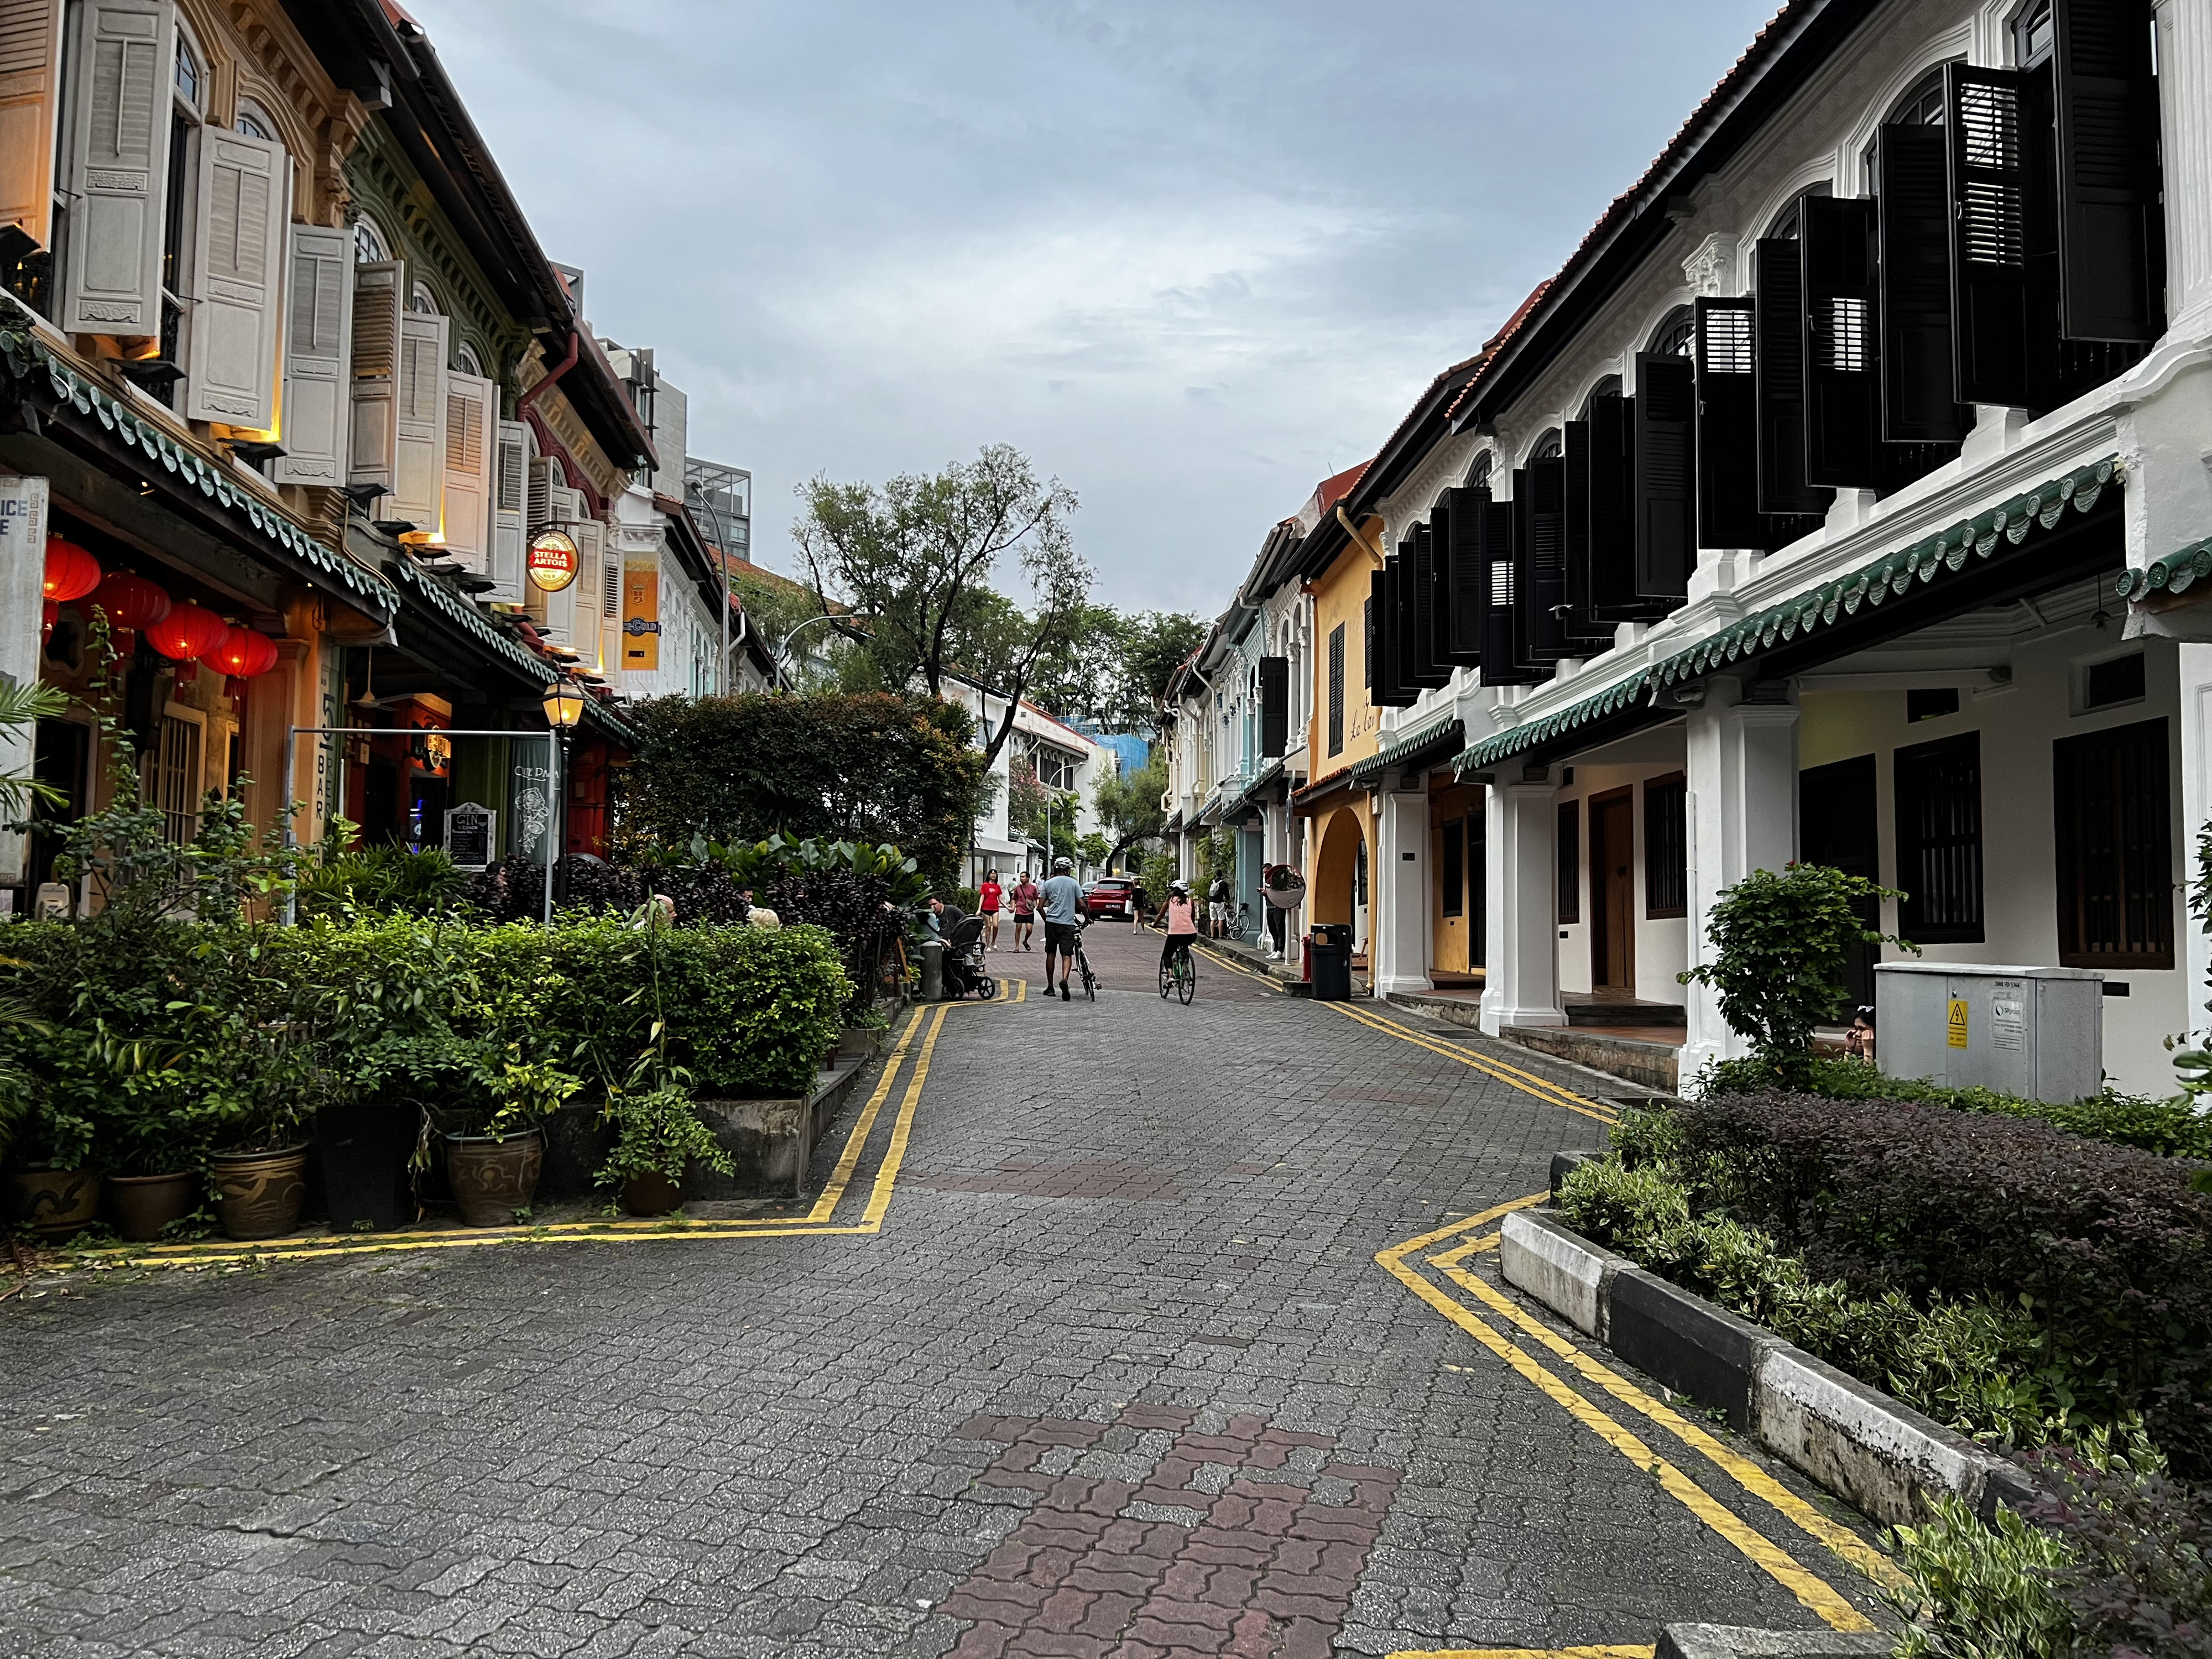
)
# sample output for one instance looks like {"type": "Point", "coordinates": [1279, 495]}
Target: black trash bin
{"type": "Point", "coordinates": [1332, 962]}
{"type": "Point", "coordinates": [365, 1147]}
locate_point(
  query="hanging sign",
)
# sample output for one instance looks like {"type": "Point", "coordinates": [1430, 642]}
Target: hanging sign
{"type": "Point", "coordinates": [553, 561]}
{"type": "Point", "coordinates": [641, 617]}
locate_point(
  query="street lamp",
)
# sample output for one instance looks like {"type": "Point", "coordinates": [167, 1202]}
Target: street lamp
{"type": "Point", "coordinates": [564, 703]}
{"type": "Point", "coordinates": [783, 650]}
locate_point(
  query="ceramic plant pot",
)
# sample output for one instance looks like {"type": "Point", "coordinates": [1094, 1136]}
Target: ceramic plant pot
{"type": "Point", "coordinates": [260, 1194]}
{"type": "Point", "coordinates": [145, 1205]}
{"type": "Point", "coordinates": [56, 1202]}
{"type": "Point", "coordinates": [651, 1194]}
{"type": "Point", "coordinates": [493, 1179]}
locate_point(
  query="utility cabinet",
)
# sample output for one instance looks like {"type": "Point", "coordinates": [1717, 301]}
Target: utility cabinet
{"type": "Point", "coordinates": [2035, 1032]}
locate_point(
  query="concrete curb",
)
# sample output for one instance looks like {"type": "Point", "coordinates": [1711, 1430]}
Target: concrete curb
{"type": "Point", "coordinates": [1880, 1456]}
{"type": "Point", "coordinates": [1740, 1642]}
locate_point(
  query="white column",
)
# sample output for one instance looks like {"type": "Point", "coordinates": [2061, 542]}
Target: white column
{"type": "Point", "coordinates": [2185, 79]}
{"type": "Point", "coordinates": [23, 589]}
{"type": "Point", "coordinates": [2196, 688]}
{"type": "Point", "coordinates": [1741, 763]}
{"type": "Point", "coordinates": [1522, 985]}
{"type": "Point", "coordinates": [1398, 896]}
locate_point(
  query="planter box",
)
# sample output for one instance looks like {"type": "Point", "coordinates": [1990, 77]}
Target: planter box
{"type": "Point", "coordinates": [772, 1141]}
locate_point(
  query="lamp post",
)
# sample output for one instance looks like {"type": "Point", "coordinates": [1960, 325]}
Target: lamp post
{"type": "Point", "coordinates": [564, 703]}
{"type": "Point", "coordinates": [722, 575]}
{"type": "Point", "coordinates": [783, 650]}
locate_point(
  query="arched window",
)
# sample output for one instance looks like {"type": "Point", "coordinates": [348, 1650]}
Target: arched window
{"type": "Point", "coordinates": [1923, 107]}
{"type": "Point", "coordinates": [254, 122]}
{"type": "Point", "coordinates": [369, 247]}
{"type": "Point", "coordinates": [1783, 226]}
{"type": "Point", "coordinates": [1607, 385]}
{"type": "Point", "coordinates": [1677, 333]}
{"type": "Point", "coordinates": [2032, 33]}
{"type": "Point", "coordinates": [192, 80]}
{"type": "Point", "coordinates": [422, 302]}
{"type": "Point", "coordinates": [1550, 447]}
{"type": "Point", "coordinates": [466, 361]}
{"type": "Point", "coordinates": [1478, 476]}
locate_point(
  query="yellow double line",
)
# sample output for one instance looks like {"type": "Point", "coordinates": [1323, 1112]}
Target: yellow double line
{"type": "Point", "coordinates": [1529, 1082]}
{"type": "Point", "coordinates": [818, 1219]}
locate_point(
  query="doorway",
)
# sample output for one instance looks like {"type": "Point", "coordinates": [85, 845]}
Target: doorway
{"type": "Point", "coordinates": [1613, 895]}
{"type": "Point", "coordinates": [1838, 826]}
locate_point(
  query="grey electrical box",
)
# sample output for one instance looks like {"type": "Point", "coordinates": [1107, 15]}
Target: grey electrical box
{"type": "Point", "coordinates": [2035, 1032]}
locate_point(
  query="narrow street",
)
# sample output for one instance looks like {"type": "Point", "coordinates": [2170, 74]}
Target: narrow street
{"type": "Point", "coordinates": [1120, 1373]}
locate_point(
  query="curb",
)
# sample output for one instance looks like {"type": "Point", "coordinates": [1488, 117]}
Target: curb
{"type": "Point", "coordinates": [1742, 1641]}
{"type": "Point", "coordinates": [1876, 1453]}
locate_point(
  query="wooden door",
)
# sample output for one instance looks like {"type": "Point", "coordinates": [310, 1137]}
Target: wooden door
{"type": "Point", "coordinates": [1612, 894]}
{"type": "Point", "coordinates": [1836, 817]}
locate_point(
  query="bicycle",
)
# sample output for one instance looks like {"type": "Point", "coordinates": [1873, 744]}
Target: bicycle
{"type": "Point", "coordinates": [1179, 974]}
{"type": "Point", "coordinates": [1083, 964]}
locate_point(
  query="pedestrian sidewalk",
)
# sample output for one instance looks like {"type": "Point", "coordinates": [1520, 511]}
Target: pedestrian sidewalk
{"type": "Point", "coordinates": [1286, 973]}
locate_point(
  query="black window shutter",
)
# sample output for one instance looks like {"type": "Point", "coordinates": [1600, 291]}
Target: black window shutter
{"type": "Point", "coordinates": [1613, 510]}
{"type": "Point", "coordinates": [1494, 539]}
{"type": "Point", "coordinates": [1567, 861]}
{"type": "Point", "coordinates": [1539, 540]}
{"type": "Point", "coordinates": [1478, 890]}
{"type": "Point", "coordinates": [1463, 574]}
{"type": "Point", "coordinates": [1370, 638]}
{"type": "Point", "coordinates": [1939, 840]}
{"type": "Point", "coordinates": [1426, 667]}
{"type": "Point", "coordinates": [1778, 370]}
{"type": "Point", "coordinates": [1666, 503]}
{"type": "Point", "coordinates": [1439, 544]}
{"type": "Point", "coordinates": [2111, 222]}
{"type": "Point", "coordinates": [1393, 687]}
{"type": "Point", "coordinates": [2004, 321]}
{"type": "Point", "coordinates": [1842, 342]}
{"type": "Point", "coordinates": [1728, 426]}
{"type": "Point", "coordinates": [1336, 687]}
{"type": "Point", "coordinates": [1919, 396]}
{"type": "Point", "coordinates": [1581, 595]}
{"type": "Point", "coordinates": [1274, 706]}
{"type": "Point", "coordinates": [2115, 858]}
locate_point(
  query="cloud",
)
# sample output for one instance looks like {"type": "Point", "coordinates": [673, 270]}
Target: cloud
{"type": "Point", "coordinates": [1192, 259]}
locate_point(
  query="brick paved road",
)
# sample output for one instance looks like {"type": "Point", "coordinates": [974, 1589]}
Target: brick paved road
{"type": "Point", "coordinates": [1120, 1376]}
{"type": "Point", "coordinates": [1128, 959]}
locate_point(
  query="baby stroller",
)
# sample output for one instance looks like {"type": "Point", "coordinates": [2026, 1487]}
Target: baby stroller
{"type": "Point", "coordinates": [964, 973]}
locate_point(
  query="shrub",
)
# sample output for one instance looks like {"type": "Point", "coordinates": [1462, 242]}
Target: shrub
{"type": "Point", "coordinates": [2137, 1572]}
{"type": "Point", "coordinates": [1978, 1592]}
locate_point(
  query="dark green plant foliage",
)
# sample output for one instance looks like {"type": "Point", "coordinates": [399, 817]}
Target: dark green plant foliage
{"type": "Point", "coordinates": [2107, 1249]}
{"type": "Point", "coordinates": [1780, 945]}
{"type": "Point", "coordinates": [514, 889]}
{"type": "Point", "coordinates": [2137, 1576]}
{"type": "Point", "coordinates": [873, 768]}
{"type": "Point", "coordinates": [2171, 1128]}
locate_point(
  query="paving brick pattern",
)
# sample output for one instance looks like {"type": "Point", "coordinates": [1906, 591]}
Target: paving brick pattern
{"type": "Point", "coordinates": [1122, 1338]}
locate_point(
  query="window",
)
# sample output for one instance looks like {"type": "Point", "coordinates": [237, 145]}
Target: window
{"type": "Point", "coordinates": [2032, 34]}
{"type": "Point", "coordinates": [1336, 689]}
{"type": "Point", "coordinates": [422, 302]}
{"type": "Point", "coordinates": [466, 361]}
{"type": "Point", "coordinates": [369, 247]}
{"type": "Point", "coordinates": [255, 123]}
{"type": "Point", "coordinates": [2115, 867]}
{"type": "Point", "coordinates": [1478, 886]}
{"type": "Point", "coordinates": [1478, 476]}
{"type": "Point", "coordinates": [1939, 840]}
{"type": "Point", "coordinates": [1549, 448]}
{"type": "Point", "coordinates": [189, 93]}
{"type": "Point", "coordinates": [1666, 847]}
{"type": "Point", "coordinates": [1570, 866]}
{"type": "Point", "coordinates": [189, 76]}
{"type": "Point", "coordinates": [1676, 335]}
{"type": "Point", "coordinates": [1923, 107]}
{"type": "Point", "coordinates": [1055, 768]}
{"type": "Point", "coordinates": [176, 779]}
{"type": "Point", "coordinates": [2116, 680]}
{"type": "Point", "coordinates": [1932, 705]}
{"type": "Point", "coordinates": [1451, 871]}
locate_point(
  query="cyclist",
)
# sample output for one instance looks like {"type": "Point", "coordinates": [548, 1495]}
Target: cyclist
{"type": "Point", "coordinates": [1180, 917]}
{"type": "Point", "coordinates": [1061, 900]}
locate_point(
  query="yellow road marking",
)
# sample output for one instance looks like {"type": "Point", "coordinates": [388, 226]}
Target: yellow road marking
{"type": "Point", "coordinates": [1525, 1653]}
{"type": "Point", "coordinates": [1810, 1591]}
{"type": "Point", "coordinates": [1453, 1258]}
{"type": "Point", "coordinates": [879, 1199]}
{"type": "Point", "coordinates": [1552, 1094]}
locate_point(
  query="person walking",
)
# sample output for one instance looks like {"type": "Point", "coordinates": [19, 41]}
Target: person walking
{"type": "Point", "coordinates": [1217, 907]}
{"type": "Point", "coordinates": [1024, 896]}
{"type": "Point", "coordinates": [986, 901]}
{"type": "Point", "coordinates": [1062, 902]}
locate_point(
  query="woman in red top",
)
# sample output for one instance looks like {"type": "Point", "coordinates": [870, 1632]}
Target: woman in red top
{"type": "Point", "coordinates": [986, 897]}
{"type": "Point", "coordinates": [1026, 898]}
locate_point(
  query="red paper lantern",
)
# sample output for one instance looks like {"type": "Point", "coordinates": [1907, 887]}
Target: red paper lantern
{"type": "Point", "coordinates": [243, 653]}
{"type": "Point", "coordinates": [188, 631]}
{"type": "Point", "coordinates": [71, 572]}
{"type": "Point", "coordinates": [130, 602]}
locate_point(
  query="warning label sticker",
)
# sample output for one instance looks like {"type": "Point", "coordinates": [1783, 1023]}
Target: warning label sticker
{"type": "Point", "coordinates": [2009, 1013]}
{"type": "Point", "coordinates": [1956, 1034]}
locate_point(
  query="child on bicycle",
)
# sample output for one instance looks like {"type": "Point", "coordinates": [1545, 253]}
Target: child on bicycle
{"type": "Point", "coordinates": [1181, 916]}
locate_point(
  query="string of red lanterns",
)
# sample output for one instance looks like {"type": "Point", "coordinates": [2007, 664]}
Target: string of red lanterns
{"type": "Point", "coordinates": [183, 632]}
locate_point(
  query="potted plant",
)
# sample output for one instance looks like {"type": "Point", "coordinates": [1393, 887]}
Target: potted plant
{"type": "Point", "coordinates": [494, 1146]}
{"type": "Point", "coordinates": [161, 1132]}
{"type": "Point", "coordinates": [55, 1189]}
{"type": "Point", "coordinates": [658, 1134]}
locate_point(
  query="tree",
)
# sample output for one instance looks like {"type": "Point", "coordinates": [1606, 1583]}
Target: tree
{"type": "Point", "coordinates": [912, 558]}
{"type": "Point", "coordinates": [1128, 804]}
{"type": "Point", "coordinates": [1113, 667]}
{"type": "Point", "coordinates": [1156, 644]}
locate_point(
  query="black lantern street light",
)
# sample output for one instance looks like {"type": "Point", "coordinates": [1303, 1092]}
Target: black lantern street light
{"type": "Point", "coordinates": [564, 703]}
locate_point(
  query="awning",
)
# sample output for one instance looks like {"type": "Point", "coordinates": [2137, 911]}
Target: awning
{"type": "Point", "coordinates": [1436, 740]}
{"type": "Point", "coordinates": [1894, 574]}
{"type": "Point", "coordinates": [1321, 788]}
{"type": "Point", "coordinates": [1266, 775]}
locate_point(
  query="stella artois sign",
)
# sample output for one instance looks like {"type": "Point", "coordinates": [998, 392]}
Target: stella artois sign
{"type": "Point", "coordinates": [553, 562]}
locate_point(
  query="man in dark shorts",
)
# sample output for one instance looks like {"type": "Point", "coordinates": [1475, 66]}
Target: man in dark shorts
{"type": "Point", "coordinates": [1063, 919]}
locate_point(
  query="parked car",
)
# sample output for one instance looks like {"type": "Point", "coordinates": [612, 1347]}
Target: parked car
{"type": "Point", "coordinates": [1112, 896]}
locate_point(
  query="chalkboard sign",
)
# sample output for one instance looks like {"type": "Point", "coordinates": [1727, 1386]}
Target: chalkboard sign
{"type": "Point", "coordinates": [471, 832]}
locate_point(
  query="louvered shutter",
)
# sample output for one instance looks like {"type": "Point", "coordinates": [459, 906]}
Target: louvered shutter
{"type": "Point", "coordinates": [543, 482]}
{"type": "Point", "coordinates": [1274, 706]}
{"type": "Point", "coordinates": [1539, 542]}
{"type": "Point", "coordinates": [1728, 427]}
{"type": "Point", "coordinates": [237, 279]}
{"type": "Point", "coordinates": [419, 420]}
{"type": "Point", "coordinates": [1842, 382]}
{"type": "Point", "coordinates": [1390, 652]}
{"type": "Point", "coordinates": [1611, 507]}
{"type": "Point", "coordinates": [2004, 318]}
{"type": "Point", "coordinates": [1778, 371]}
{"type": "Point", "coordinates": [1665, 500]}
{"type": "Point", "coordinates": [30, 70]}
{"type": "Point", "coordinates": [1919, 401]}
{"type": "Point", "coordinates": [318, 341]}
{"type": "Point", "coordinates": [1581, 579]}
{"type": "Point", "coordinates": [1494, 542]}
{"type": "Point", "coordinates": [1463, 576]}
{"type": "Point", "coordinates": [1425, 667]}
{"type": "Point", "coordinates": [372, 454]}
{"type": "Point", "coordinates": [118, 167]}
{"type": "Point", "coordinates": [1437, 537]}
{"type": "Point", "coordinates": [580, 602]}
{"type": "Point", "coordinates": [510, 502]}
{"type": "Point", "coordinates": [471, 458]}
{"type": "Point", "coordinates": [2111, 224]}
{"type": "Point", "coordinates": [1336, 685]}
{"type": "Point", "coordinates": [1371, 651]}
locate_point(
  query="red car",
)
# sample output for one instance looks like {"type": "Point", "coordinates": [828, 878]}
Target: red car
{"type": "Point", "coordinates": [1112, 896]}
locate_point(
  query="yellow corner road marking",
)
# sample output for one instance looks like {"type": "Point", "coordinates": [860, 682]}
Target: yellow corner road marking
{"type": "Point", "coordinates": [1525, 1653]}
{"type": "Point", "coordinates": [1529, 1082]}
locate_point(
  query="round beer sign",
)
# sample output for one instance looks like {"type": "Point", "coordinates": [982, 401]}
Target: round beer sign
{"type": "Point", "coordinates": [553, 562]}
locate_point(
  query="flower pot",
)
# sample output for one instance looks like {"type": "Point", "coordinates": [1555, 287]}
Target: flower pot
{"type": "Point", "coordinates": [260, 1194]}
{"type": "Point", "coordinates": [364, 1150]}
{"type": "Point", "coordinates": [651, 1194]}
{"type": "Point", "coordinates": [56, 1202]}
{"type": "Point", "coordinates": [493, 1179]}
{"type": "Point", "coordinates": [145, 1205]}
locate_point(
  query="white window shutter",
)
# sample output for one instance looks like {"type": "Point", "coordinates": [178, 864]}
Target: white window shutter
{"type": "Point", "coordinates": [539, 509]}
{"type": "Point", "coordinates": [317, 336]}
{"type": "Point", "coordinates": [420, 420]}
{"type": "Point", "coordinates": [30, 106]}
{"type": "Point", "coordinates": [472, 461]}
{"type": "Point", "coordinates": [118, 165]}
{"type": "Point", "coordinates": [237, 280]}
{"type": "Point", "coordinates": [584, 594]}
{"type": "Point", "coordinates": [372, 452]}
{"type": "Point", "coordinates": [510, 499]}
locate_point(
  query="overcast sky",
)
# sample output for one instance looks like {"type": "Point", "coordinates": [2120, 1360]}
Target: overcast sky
{"type": "Point", "coordinates": [1193, 257]}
